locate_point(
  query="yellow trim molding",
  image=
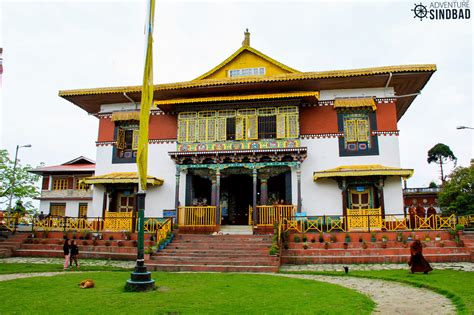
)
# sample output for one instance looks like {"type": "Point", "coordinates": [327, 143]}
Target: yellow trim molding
{"type": "Point", "coordinates": [121, 178]}
{"type": "Point", "coordinates": [121, 116]}
{"type": "Point", "coordinates": [355, 103]}
{"type": "Point", "coordinates": [314, 95]}
{"type": "Point", "coordinates": [362, 170]}
{"type": "Point", "coordinates": [240, 80]}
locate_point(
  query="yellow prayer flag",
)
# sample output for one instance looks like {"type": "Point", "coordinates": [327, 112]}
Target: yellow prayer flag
{"type": "Point", "coordinates": [146, 100]}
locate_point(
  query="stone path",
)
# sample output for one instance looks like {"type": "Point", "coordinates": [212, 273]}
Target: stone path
{"type": "Point", "coordinates": [459, 266]}
{"type": "Point", "coordinates": [14, 276]}
{"type": "Point", "coordinates": [60, 261]}
{"type": "Point", "coordinates": [391, 297]}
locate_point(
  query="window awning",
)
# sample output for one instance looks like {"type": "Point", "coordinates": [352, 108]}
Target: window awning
{"type": "Point", "coordinates": [121, 116]}
{"type": "Point", "coordinates": [355, 103]}
{"type": "Point", "coordinates": [121, 178]}
{"type": "Point", "coordinates": [362, 170]}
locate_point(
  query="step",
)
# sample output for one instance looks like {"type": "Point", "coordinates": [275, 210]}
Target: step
{"type": "Point", "coordinates": [236, 230]}
{"type": "Point", "coordinates": [371, 251]}
{"type": "Point", "coordinates": [208, 262]}
{"type": "Point", "coordinates": [210, 268]}
{"type": "Point", "coordinates": [55, 253]}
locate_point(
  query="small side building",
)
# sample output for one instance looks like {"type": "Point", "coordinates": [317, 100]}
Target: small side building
{"type": "Point", "coordinates": [62, 191]}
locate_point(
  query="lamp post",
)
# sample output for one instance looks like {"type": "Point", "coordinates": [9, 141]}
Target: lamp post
{"type": "Point", "coordinates": [14, 176]}
{"type": "Point", "coordinates": [463, 127]}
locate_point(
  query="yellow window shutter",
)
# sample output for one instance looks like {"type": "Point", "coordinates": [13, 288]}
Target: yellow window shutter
{"type": "Point", "coordinates": [211, 129]}
{"type": "Point", "coordinates": [191, 130]}
{"type": "Point", "coordinates": [293, 126]}
{"type": "Point", "coordinates": [350, 131]}
{"type": "Point", "coordinates": [135, 140]}
{"type": "Point", "coordinates": [252, 127]}
{"type": "Point", "coordinates": [201, 132]}
{"type": "Point", "coordinates": [362, 130]}
{"type": "Point", "coordinates": [239, 128]}
{"type": "Point", "coordinates": [120, 139]}
{"type": "Point", "coordinates": [221, 129]}
{"type": "Point", "coordinates": [182, 129]}
{"type": "Point", "coordinates": [281, 126]}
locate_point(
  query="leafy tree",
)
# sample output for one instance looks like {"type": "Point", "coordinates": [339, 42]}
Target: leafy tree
{"type": "Point", "coordinates": [457, 194]}
{"type": "Point", "coordinates": [433, 185]}
{"type": "Point", "coordinates": [20, 183]}
{"type": "Point", "coordinates": [441, 154]}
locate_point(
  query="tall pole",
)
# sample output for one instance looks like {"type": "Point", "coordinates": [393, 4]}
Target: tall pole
{"type": "Point", "coordinates": [12, 185]}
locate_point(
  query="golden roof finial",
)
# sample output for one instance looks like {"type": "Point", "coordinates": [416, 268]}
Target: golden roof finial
{"type": "Point", "coordinates": [246, 41]}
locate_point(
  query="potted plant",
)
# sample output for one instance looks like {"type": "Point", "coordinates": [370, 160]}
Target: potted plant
{"type": "Point", "coordinates": [399, 236]}
{"type": "Point", "coordinates": [134, 243]}
{"type": "Point", "coordinates": [296, 239]}
{"type": "Point", "coordinates": [372, 237]}
{"type": "Point", "coordinates": [147, 253]}
{"type": "Point", "coordinates": [273, 251]}
{"type": "Point", "coordinates": [326, 245]}
{"type": "Point", "coordinates": [360, 239]}
{"type": "Point", "coordinates": [345, 245]}
{"type": "Point", "coordinates": [347, 239]}
{"type": "Point", "coordinates": [313, 240]}
{"type": "Point", "coordinates": [427, 238]}
{"type": "Point", "coordinates": [305, 245]}
{"type": "Point", "coordinates": [127, 235]}
{"type": "Point", "coordinates": [321, 237]}
{"type": "Point", "coordinates": [383, 244]}
{"type": "Point", "coordinates": [384, 238]}
{"type": "Point", "coordinates": [364, 245]}
{"type": "Point", "coordinates": [410, 237]}
{"type": "Point", "coordinates": [441, 244]}
{"type": "Point", "coordinates": [111, 238]}
{"type": "Point", "coordinates": [85, 242]}
{"type": "Point", "coordinates": [404, 244]}
{"type": "Point", "coordinates": [438, 237]}
{"type": "Point", "coordinates": [120, 244]}
{"type": "Point", "coordinates": [333, 238]}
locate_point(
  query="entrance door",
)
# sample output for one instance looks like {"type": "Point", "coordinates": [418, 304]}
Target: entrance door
{"type": "Point", "coordinates": [238, 190]}
{"type": "Point", "coordinates": [360, 197]}
{"type": "Point", "coordinates": [126, 203]}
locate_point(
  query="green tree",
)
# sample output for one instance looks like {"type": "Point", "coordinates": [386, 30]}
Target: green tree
{"type": "Point", "coordinates": [457, 194]}
{"type": "Point", "coordinates": [441, 154]}
{"type": "Point", "coordinates": [19, 182]}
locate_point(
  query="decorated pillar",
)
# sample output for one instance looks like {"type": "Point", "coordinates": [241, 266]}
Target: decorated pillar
{"type": "Point", "coordinates": [343, 187]}
{"type": "Point", "coordinates": [379, 186]}
{"type": "Point", "coordinates": [263, 189]}
{"type": "Point", "coordinates": [213, 190]}
{"type": "Point", "coordinates": [254, 204]}
{"type": "Point", "coordinates": [218, 194]}
{"type": "Point", "coordinates": [298, 186]}
{"type": "Point", "coordinates": [176, 193]}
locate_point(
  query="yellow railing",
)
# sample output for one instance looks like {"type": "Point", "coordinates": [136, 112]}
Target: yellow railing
{"type": "Point", "coordinates": [8, 222]}
{"type": "Point", "coordinates": [197, 216]}
{"type": "Point", "coordinates": [163, 229]}
{"type": "Point", "coordinates": [466, 220]}
{"type": "Point", "coordinates": [118, 221]}
{"type": "Point", "coordinates": [364, 219]}
{"type": "Point", "coordinates": [267, 215]}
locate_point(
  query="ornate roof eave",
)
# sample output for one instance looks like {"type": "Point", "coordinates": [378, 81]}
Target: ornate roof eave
{"type": "Point", "coordinates": [121, 178]}
{"type": "Point", "coordinates": [236, 156]}
{"type": "Point", "coordinates": [362, 170]}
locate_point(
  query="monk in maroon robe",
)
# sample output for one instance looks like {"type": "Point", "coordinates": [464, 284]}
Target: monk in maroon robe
{"type": "Point", "coordinates": [420, 213]}
{"type": "Point", "coordinates": [417, 262]}
{"type": "Point", "coordinates": [411, 213]}
{"type": "Point", "coordinates": [431, 215]}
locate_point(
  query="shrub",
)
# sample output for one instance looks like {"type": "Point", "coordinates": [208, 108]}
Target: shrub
{"type": "Point", "coordinates": [459, 227]}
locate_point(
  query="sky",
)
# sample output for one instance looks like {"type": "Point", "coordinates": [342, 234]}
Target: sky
{"type": "Point", "coordinates": [57, 45]}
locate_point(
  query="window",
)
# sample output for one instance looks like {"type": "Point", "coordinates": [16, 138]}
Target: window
{"type": "Point", "coordinates": [127, 140]}
{"type": "Point", "coordinates": [287, 122]}
{"type": "Point", "coordinates": [79, 185]}
{"type": "Point", "coordinates": [57, 209]}
{"type": "Point", "coordinates": [82, 210]}
{"type": "Point", "coordinates": [60, 183]}
{"type": "Point", "coordinates": [357, 140]}
{"type": "Point", "coordinates": [246, 72]}
{"type": "Point", "coordinates": [242, 124]}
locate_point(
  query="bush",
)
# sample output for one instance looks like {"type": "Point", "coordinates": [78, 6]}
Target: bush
{"type": "Point", "coordinates": [459, 227]}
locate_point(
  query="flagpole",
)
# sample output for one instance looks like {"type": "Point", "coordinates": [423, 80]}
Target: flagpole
{"type": "Point", "coordinates": [140, 279]}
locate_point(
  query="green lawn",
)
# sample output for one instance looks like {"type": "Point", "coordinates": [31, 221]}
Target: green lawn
{"type": "Point", "coordinates": [204, 293]}
{"type": "Point", "coordinates": [7, 268]}
{"type": "Point", "coordinates": [456, 285]}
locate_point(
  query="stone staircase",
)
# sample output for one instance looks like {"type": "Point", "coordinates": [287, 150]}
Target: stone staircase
{"type": "Point", "coordinates": [216, 253]}
{"type": "Point", "coordinates": [299, 253]}
{"type": "Point", "coordinates": [468, 238]}
{"type": "Point", "coordinates": [9, 243]}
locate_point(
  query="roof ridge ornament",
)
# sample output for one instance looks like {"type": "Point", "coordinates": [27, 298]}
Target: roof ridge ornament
{"type": "Point", "coordinates": [246, 42]}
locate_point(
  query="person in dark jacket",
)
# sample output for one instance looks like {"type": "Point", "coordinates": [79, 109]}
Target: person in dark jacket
{"type": "Point", "coordinates": [74, 251]}
{"type": "Point", "coordinates": [66, 254]}
{"type": "Point", "coordinates": [417, 262]}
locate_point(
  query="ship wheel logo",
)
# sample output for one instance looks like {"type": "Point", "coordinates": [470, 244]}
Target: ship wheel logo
{"type": "Point", "coordinates": [420, 11]}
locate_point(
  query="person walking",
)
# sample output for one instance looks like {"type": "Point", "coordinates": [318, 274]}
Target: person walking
{"type": "Point", "coordinates": [417, 262]}
{"type": "Point", "coordinates": [74, 251]}
{"type": "Point", "coordinates": [66, 254]}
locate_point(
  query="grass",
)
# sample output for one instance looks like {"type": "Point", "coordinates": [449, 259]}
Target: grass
{"type": "Point", "coordinates": [183, 293]}
{"type": "Point", "coordinates": [458, 286]}
{"type": "Point", "coordinates": [8, 268]}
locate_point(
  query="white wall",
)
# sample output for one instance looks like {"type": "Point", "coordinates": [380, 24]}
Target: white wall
{"type": "Point", "coordinates": [108, 108]}
{"type": "Point", "coordinates": [377, 92]}
{"type": "Point", "coordinates": [160, 165]}
{"type": "Point", "coordinates": [393, 195]}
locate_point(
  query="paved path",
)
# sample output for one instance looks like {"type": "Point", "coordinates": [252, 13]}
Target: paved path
{"type": "Point", "coordinates": [14, 276]}
{"type": "Point", "coordinates": [391, 297]}
{"type": "Point", "coordinates": [459, 266]}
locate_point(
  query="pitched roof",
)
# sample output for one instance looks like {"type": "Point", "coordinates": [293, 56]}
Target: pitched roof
{"type": "Point", "coordinates": [80, 164]}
